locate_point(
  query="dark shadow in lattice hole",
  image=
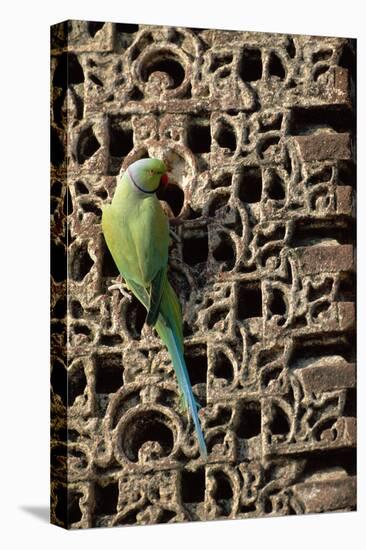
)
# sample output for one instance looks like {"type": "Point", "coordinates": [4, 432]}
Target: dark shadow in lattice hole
{"type": "Point", "coordinates": [347, 288]}
{"type": "Point", "coordinates": [223, 367]}
{"type": "Point", "coordinates": [94, 27]}
{"type": "Point", "coordinates": [223, 493]}
{"type": "Point", "coordinates": [91, 207]}
{"type": "Point", "coordinates": [225, 252]}
{"type": "Point", "coordinates": [165, 516]}
{"type": "Point", "coordinates": [59, 380]}
{"type": "Point", "coordinates": [322, 55]}
{"type": "Point", "coordinates": [220, 60]}
{"type": "Point", "coordinates": [58, 328]}
{"type": "Point", "coordinates": [130, 518]}
{"type": "Point", "coordinates": [308, 233]}
{"type": "Point", "coordinates": [108, 372]}
{"type": "Point", "coordinates": [68, 71]}
{"type": "Point", "coordinates": [348, 59]}
{"type": "Point", "coordinates": [195, 248]}
{"type": "Point", "coordinates": [58, 262]}
{"type": "Point", "coordinates": [57, 149]}
{"type": "Point", "coordinates": [127, 28]}
{"type": "Point", "coordinates": [59, 310]}
{"type": "Point", "coordinates": [277, 304]}
{"type": "Point", "coordinates": [147, 426]}
{"type": "Point", "coordinates": [248, 423]}
{"type": "Point", "coordinates": [323, 461]}
{"type": "Point", "coordinates": [193, 485]}
{"type": "Point", "coordinates": [109, 268]}
{"type": "Point", "coordinates": [316, 292]}
{"type": "Point", "coordinates": [216, 315]}
{"type": "Point", "coordinates": [277, 234]}
{"type": "Point", "coordinates": [321, 176]}
{"type": "Point", "coordinates": [224, 180]}
{"type": "Point", "coordinates": [120, 139]}
{"type": "Point", "coordinates": [59, 454]}
{"type": "Point", "coordinates": [350, 407]}
{"type": "Point", "coordinates": [196, 361]}
{"type": "Point", "coordinates": [305, 120]}
{"type": "Point", "coordinates": [267, 146]}
{"type": "Point", "coordinates": [275, 66]}
{"type": "Point", "coordinates": [199, 137]}
{"type": "Point", "coordinates": [106, 498]}
{"type": "Point", "coordinates": [217, 440]}
{"type": "Point", "coordinates": [275, 124]}
{"type": "Point", "coordinates": [247, 508]}
{"type": "Point", "coordinates": [222, 417]}
{"type": "Point", "coordinates": [81, 329]}
{"type": "Point", "coordinates": [56, 188]}
{"type": "Point", "coordinates": [249, 300]}
{"type": "Point", "coordinates": [250, 66]}
{"type": "Point", "coordinates": [95, 79]}
{"type": "Point", "coordinates": [269, 355]}
{"type": "Point", "coordinates": [61, 510]}
{"type": "Point", "coordinates": [250, 184]}
{"type": "Point", "coordinates": [110, 340]}
{"type": "Point", "coordinates": [270, 374]}
{"type": "Point", "coordinates": [280, 424]}
{"type": "Point", "coordinates": [290, 47]}
{"type": "Point", "coordinates": [173, 195]}
{"type": "Point", "coordinates": [276, 187]}
{"type": "Point", "coordinates": [87, 145]}
{"type": "Point", "coordinates": [73, 507]}
{"type": "Point", "coordinates": [165, 62]}
{"type": "Point", "coordinates": [81, 188]}
{"type": "Point", "coordinates": [226, 137]}
{"type": "Point", "coordinates": [102, 193]}
{"type": "Point", "coordinates": [310, 350]}
{"type": "Point", "coordinates": [218, 204]}
{"type": "Point", "coordinates": [76, 383]}
{"type": "Point", "coordinates": [80, 263]}
{"type": "Point", "coordinates": [136, 94]}
{"type": "Point", "coordinates": [135, 318]}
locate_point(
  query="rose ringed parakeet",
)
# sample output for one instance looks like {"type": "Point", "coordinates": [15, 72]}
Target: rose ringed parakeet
{"type": "Point", "coordinates": [136, 231]}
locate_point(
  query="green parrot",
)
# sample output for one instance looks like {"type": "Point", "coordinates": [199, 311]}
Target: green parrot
{"type": "Point", "coordinates": [136, 231]}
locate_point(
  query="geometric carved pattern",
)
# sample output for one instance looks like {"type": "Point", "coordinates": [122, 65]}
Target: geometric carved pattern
{"type": "Point", "coordinates": [258, 132]}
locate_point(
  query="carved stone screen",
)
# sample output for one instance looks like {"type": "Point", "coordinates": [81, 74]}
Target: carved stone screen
{"type": "Point", "coordinates": [259, 133]}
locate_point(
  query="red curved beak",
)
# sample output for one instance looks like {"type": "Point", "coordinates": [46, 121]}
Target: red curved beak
{"type": "Point", "coordinates": [164, 180]}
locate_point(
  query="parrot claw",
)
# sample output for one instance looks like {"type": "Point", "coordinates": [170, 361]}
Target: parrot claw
{"type": "Point", "coordinates": [121, 287]}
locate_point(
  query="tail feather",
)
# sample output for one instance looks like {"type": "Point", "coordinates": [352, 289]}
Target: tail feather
{"type": "Point", "coordinates": [169, 328]}
{"type": "Point", "coordinates": [168, 337]}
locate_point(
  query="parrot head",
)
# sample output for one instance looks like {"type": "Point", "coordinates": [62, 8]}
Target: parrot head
{"type": "Point", "coordinates": [148, 175]}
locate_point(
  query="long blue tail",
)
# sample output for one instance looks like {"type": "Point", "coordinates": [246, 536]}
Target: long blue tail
{"type": "Point", "coordinates": [169, 328]}
{"type": "Point", "coordinates": [179, 364]}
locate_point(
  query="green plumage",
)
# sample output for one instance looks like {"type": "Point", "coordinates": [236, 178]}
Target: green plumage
{"type": "Point", "coordinates": [136, 231]}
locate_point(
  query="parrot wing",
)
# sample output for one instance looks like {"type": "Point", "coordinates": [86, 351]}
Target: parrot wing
{"type": "Point", "coordinates": [156, 291]}
{"type": "Point", "coordinates": [150, 230]}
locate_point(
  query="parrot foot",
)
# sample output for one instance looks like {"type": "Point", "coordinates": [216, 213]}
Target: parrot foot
{"type": "Point", "coordinates": [121, 287]}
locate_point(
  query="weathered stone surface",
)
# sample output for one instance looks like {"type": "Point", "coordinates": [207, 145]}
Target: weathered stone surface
{"type": "Point", "coordinates": [256, 129]}
{"type": "Point", "coordinates": [324, 496]}
{"type": "Point", "coordinates": [325, 146]}
{"type": "Point", "coordinates": [329, 259]}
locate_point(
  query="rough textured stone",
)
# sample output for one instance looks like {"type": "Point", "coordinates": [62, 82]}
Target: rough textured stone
{"type": "Point", "coordinates": [325, 146]}
{"type": "Point", "coordinates": [256, 129]}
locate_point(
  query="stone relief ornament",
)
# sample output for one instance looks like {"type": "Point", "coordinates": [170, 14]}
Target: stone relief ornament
{"type": "Point", "coordinates": [258, 132]}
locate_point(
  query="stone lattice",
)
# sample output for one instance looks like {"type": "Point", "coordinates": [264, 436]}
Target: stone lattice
{"type": "Point", "coordinates": [258, 132]}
